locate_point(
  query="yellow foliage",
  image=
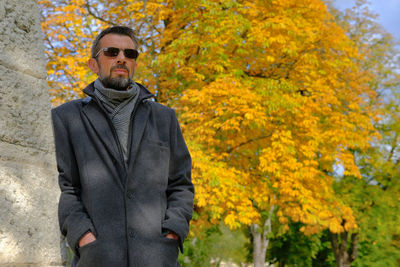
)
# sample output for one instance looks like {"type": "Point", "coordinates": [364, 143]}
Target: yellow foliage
{"type": "Point", "coordinates": [270, 95]}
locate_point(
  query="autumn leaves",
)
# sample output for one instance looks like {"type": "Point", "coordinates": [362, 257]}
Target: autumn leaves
{"type": "Point", "coordinates": [271, 95]}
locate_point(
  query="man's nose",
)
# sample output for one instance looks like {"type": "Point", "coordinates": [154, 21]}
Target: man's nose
{"type": "Point", "coordinates": [121, 56]}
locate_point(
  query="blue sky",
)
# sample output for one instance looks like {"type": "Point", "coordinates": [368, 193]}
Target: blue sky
{"type": "Point", "coordinates": [388, 11]}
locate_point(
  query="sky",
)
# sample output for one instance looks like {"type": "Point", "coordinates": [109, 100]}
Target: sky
{"type": "Point", "coordinates": [388, 13]}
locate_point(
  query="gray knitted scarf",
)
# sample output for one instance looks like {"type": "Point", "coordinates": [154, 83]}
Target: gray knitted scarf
{"type": "Point", "coordinates": [119, 106]}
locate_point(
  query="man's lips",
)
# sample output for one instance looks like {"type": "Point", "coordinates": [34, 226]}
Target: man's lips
{"type": "Point", "coordinates": [120, 71]}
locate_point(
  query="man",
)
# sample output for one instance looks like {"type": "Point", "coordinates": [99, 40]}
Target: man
{"type": "Point", "coordinates": [124, 169]}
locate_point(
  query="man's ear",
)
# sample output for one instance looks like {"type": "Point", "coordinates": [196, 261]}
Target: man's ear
{"type": "Point", "coordinates": [93, 65]}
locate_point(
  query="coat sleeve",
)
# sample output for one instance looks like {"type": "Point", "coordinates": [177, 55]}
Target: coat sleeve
{"type": "Point", "coordinates": [180, 191]}
{"type": "Point", "coordinates": [73, 219]}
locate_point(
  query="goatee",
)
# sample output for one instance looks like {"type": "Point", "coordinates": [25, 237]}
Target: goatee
{"type": "Point", "coordinates": [118, 83]}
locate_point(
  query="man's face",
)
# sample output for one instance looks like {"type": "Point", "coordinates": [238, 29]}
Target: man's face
{"type": "Point", "coordinates": [114, 72]}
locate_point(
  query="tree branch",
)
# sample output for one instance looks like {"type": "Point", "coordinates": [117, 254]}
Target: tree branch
{"type": "Point", "coordinates": [335, 245]}
{"type": "Point", "coordinates": [88, 8]}
{"type": "Point", "coordinates": [394, 146]}
{"type": "Point", "coordinates": [248, 141]}
{"type": "Point", "coordinates": [354, 247]}
{"type": "Point", "coordinates": [267, 229]}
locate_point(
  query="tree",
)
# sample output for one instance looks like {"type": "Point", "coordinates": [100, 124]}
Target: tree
{"type": "Point", "coordinates": [373, 199]}
{"type": "Point", "coordinates": [216, 245]}
{"type": "Point", "coordinates": [294, 248]}
{"type": "Point", "coordinates": [70, 28]}
{"type": "Point", "coordinates": [276, 93]}
{"type": "Point", "coordinates": [271, 95]}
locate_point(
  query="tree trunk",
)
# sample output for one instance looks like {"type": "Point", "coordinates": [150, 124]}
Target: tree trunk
{"type": "Point", "coordinates": [340, 248]}
{"type": "Point", "coordinates": [260, 240]}
{"type": "Point", "coordinates": [258, 246]}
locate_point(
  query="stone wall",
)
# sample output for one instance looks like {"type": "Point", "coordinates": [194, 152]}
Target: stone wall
{"type": "Point", "coordinates": [29, 234]}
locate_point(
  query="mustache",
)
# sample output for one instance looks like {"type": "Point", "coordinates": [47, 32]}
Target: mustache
{"type": "Point", "coordinates": [120, 67]}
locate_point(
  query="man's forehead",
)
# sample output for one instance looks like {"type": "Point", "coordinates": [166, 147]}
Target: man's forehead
{"type": "Point", "coordinates": [117, 40]}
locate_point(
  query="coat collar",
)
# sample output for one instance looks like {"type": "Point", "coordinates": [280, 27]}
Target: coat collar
{"type": "Point", "coordinates": [143, 93]}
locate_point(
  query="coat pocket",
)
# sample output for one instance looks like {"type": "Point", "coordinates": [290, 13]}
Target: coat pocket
{"type": "Point", "coordinates": [159, 251]}
{"type": "Point", "coordinates": [169, 248]}
{"type": "Point", "coordinates": [158, 143]}
{"type": "Point", "coordinates": [102, 253]}
{"type": "Point", "coordinates": [152, 163]}
{"type": "Point", "coordinates": [88, 255]}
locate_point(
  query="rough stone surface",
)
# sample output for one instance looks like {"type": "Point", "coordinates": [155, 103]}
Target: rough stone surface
{"type": "Point", "coordinates": [21, 38]}
{"type": "Point", "coordinates": [29, 234]}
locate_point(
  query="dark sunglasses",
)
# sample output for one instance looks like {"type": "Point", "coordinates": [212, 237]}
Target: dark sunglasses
{"type": "Point", "coordinates": [114, 51]}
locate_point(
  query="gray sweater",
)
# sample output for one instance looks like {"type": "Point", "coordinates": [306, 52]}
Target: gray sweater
{"type": "Point", "coordinates": [119, 106]}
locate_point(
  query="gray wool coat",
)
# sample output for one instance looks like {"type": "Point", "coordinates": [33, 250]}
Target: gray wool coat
{"type": "Point", "coordinates": [128, 208]}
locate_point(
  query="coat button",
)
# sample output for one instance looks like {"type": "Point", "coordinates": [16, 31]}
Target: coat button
{"type": "Point", "coordinates": [130, 195]}
{"type": "Point", "coordinates": [131, 233]}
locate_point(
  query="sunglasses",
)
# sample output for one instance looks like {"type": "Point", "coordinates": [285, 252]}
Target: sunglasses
{"type": "Point", "coordinates": [114, 51]}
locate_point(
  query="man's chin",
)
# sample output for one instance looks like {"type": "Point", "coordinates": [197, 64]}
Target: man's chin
{"type": "Point", "coordinates": [120, 84]}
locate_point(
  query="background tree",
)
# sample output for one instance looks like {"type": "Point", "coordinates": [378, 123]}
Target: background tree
{"type": "Point", "coordinates": [375, 197]}
{"type": "Point", "coordinates": [215, 246]}
{"type": "Point", "coordinates": [273, 102]}
{"type": "Point", "coordinates": [70, 28]}
{"type": "Point", "coordinates": [271, 95]}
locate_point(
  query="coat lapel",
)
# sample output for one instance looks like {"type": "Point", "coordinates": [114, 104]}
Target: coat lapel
{"type": "Point", "coordinates": [102, 127]}
{"type": "Point", "coordinates": [137, 129]}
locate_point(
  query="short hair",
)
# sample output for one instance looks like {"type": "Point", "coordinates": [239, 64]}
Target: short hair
{"type": "Point", "coordinates": [121, 30]}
